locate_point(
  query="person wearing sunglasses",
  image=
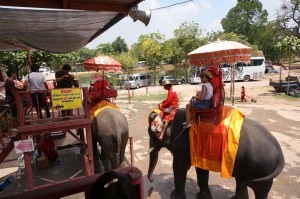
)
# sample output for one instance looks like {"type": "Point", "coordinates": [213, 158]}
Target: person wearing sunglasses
{"type": "Point", "coordinates": [202, 99]}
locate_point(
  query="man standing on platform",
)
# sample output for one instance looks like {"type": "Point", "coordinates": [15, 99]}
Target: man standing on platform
{"type": "Point", "coordinates": [65, 80]}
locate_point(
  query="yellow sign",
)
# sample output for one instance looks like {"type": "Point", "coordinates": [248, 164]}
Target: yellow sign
{"type": "Point", "coordinates": [66, 98]}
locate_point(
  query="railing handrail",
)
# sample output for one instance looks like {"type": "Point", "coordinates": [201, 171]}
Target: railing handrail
{"type": "Point", "coordinates": [83, 111]}
{"type": "Point", "coordinates": [82, 184]}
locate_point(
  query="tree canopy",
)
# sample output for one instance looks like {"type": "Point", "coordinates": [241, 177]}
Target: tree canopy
{"type": "Point", "coordinates": [246, 18]}
{"type": "Point", "coordinates": [289, 17]}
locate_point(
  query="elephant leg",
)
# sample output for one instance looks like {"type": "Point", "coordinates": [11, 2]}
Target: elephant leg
{"type": "Point", "coordinates": [80, 132]}
{"type": "Point", "coordinates": [180, 169]}
{"type": "Point", "coordinates": [124, 141]}
{"type": "Point", "coordinates": [262, 189]}
{"type": "Point", "coordinates": [105, 160]}
{"type": "Point", "coordinates": [240, 192]}
{"type": "Point", "coordinates": [202, 178]}
{"type": "Point", "coordinates": [113, 158]}
{"type": "Point", "coordinates": [97, 162]}
{"type": "Point", "coordinates": [152, 162]}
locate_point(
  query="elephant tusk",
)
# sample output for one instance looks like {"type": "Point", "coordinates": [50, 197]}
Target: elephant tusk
{"type": "Point", "coordinates": [149, 151]}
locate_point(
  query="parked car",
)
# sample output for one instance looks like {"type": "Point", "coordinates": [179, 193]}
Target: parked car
{"type": "Point", "coordinates": [270, 69]}
{"type": "Point", "coordinates": [172, 79]}
{"type": "Point", "coordinates": [44, 70]}
{"type": "Point", "coordinates": [137, 80]}
{"type": "Point", "coordinates": [140, 63]}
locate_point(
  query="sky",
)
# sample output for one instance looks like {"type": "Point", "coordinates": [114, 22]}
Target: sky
{"type": "Point", "coordinates": [207, 13]}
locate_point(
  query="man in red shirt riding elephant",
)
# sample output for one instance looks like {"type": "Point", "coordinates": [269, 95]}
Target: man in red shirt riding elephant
{"type": "Point", "coordinates": [168, 107]}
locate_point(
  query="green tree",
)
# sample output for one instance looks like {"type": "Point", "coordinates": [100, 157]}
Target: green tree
{"type": "Point", "coordinates": [151, 49]}
{"type": "Point", "coordinates": [171, 54]}
{"type": "Point", "coordinates": [127, 60]}
{"type": "Point", "coordinates": [289, 17]}
{"type": "Point", "coordinates": [85, 54]}
{"type": "Point", "coordinates": [289, 46]}
{"type": "Point", "coordinates": [119, 45]}
{"type": "Point", "coordinates": [19, 59]}
{"type": "Point", "coordinates": [269, 36]}
{"type": "Point", "coordinates": [58, 60]}
{"type": "Point", "coordinates": [246, 18]}
{"type": "Point", "coordinates": [105, 48]}
{"type": "Point", "coordinates": [188, 37]}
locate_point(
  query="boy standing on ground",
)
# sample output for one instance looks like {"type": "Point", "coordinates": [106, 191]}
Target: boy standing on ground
{"type": "Point", "coordinates": [243, 94]}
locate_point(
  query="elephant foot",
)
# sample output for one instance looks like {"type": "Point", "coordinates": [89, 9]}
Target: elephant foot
{"type": "Point", "coordinates": [204, 195]}
{"type": "Point", "coordinates": [175, 195]}
{"type": "Point", "coordinates": [150, 178]}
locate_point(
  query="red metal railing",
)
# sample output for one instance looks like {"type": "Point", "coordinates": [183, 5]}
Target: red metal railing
{"type": "Point", "coordinates": [83, 184]}
{"type": "Point", "coordinates": [29, 124]}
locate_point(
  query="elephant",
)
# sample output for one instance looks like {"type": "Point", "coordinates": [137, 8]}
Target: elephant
{"type": "Point", "coordinates": [252, 168]}
{"type": "Point", "coordinates": [110, 130]}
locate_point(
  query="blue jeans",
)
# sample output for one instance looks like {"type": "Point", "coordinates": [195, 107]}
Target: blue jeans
{"type": "Point", "coordinates": [202, 104]}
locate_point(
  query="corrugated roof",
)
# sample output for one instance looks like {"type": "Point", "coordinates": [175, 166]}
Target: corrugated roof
{"type": "Point", "coordinates": [58, 30]}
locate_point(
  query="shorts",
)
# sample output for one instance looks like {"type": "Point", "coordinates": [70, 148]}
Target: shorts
{"type": "Point", "coordinates": [202, 104]}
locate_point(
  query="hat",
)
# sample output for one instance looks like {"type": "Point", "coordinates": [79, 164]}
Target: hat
{"type": "Point", "coordinates": [166, 82]}
{"type": "Point", "coordinates": [206, 73]}
{"type": "Point", "coordinates": [214, 69]}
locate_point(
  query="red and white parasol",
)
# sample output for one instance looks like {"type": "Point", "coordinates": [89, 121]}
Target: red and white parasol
{"type": "Point", "coordinates": [216, 53]}
{"type": "Point", "coordinates": [104, 63]}
{"type": "Point", "coordinates": [220, 52]}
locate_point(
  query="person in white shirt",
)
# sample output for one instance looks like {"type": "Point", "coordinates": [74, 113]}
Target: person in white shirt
{"type": "Point", "coordinates": [202, 98]}
{"type": "Point", "coordinates": [36, 81]}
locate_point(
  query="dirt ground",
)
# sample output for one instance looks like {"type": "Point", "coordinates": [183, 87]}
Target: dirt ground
{"type": "Point", "coordinates": [280, 114]}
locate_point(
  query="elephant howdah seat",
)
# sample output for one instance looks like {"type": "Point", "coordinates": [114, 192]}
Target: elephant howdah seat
{"type": "Point", "coordinates": [103, 93]}
{"type": "Point", "coordinates": [210, 114]}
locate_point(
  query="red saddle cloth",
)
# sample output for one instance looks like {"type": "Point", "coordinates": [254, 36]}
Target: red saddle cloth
{"type": "Point", "coordinates": [166, 117]}
{"type": "Point", "coordinates": [214, 146]}
{"type": "Point", "coordinates": [103, 94]}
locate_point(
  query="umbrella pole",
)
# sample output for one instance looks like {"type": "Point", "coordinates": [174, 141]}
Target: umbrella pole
{"type": "Point", "coordinates": [128, 85]}
{"type": "Point", "coordinates": [103, 84]}
{"type": "Point", "coordinates": [233, 77]}
{"type": "Point", "coordinates": [147, 80]}
{"type": "Point", "coordinates": [232, 85]}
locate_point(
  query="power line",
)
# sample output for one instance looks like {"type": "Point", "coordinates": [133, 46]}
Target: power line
{"type": "Point", "coordinates": [171, 5]}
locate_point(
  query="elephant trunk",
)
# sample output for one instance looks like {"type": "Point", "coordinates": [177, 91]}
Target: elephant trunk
{"type": "Point", "coordinates": [152, 163]}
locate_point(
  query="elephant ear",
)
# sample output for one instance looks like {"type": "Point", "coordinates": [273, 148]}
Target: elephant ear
{"type": "Point", "coordinates": [152, 117]}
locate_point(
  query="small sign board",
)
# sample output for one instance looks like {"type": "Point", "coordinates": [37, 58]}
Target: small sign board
{"type": "Point", "coordinates": [66, 98]}
{"type": "Point", "coordinates": [22, 146]}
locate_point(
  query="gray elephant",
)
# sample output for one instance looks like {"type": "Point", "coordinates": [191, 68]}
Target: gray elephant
{"type": "Point", "coordinates": [110, 130]}
{"type": "Point", "coordinates": [258, 161]}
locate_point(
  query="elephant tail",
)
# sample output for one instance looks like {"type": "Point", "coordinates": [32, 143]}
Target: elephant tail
{"type": "Point", "coordinates": [272, 175]}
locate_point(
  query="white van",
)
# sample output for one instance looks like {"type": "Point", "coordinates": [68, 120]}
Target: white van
{"type": "Point", "coordinates": [44, 69]}
{"type": "Point", "coordinates": [137, 80]}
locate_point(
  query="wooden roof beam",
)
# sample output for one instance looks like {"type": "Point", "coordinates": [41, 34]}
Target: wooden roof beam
{"type": "Point", "coordinates": [112, 6]}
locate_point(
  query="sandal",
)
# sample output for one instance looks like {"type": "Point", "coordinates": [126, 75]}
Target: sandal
{"type": "Point", "coordinates": [186, 125]}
